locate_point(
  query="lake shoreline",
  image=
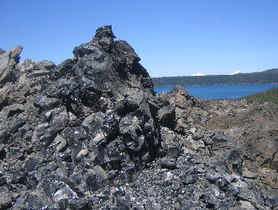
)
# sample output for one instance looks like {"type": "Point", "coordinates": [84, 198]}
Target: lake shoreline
{"type": "Point", "coordinates": [223, 91]}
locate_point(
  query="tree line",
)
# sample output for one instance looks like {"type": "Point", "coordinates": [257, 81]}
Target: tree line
{"type": "Point", "coordinates": [268, 76]}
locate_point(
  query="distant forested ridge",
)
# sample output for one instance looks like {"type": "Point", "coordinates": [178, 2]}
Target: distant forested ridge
{"type": "Point", "coordinates": [268, 76]}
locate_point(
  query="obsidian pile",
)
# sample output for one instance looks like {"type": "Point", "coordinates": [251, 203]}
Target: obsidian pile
{"type": "Point", "coordinates": [90, 133]}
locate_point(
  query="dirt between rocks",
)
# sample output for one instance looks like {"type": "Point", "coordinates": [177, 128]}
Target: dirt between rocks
{"type": "Point", "coordinates": [255, 128]}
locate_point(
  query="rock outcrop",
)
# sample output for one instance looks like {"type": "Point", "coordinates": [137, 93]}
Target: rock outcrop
{"type": "Point", "coordinates": [67, 130]}
{"type": "Point", "coordinates": [8, 61]}
{"type": "Point", "coordinates": [90, 133]}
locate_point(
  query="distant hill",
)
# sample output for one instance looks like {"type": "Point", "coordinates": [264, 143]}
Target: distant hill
{"type": "Point", "coordinates": [268, 76]}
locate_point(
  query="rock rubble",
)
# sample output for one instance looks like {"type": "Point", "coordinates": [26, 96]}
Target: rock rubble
{"type": "Point", "coordinates": [91, 133]}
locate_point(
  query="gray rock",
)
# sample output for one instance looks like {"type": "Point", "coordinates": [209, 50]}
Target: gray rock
{"type": "Point", "coordinates": [3, 179]}
{"type": "Point", "coordinates": [207, 140]}
{"type": "Point", "coordinates": [63, 192]}
{"type": "Point", "coordinates": [2, 51]}
{"type": "Point", "coordinates": [5, 200]}
{"type": "Point", "coordinates": [169, 161]}
{"type": "Point", "coordinates": [8, 60]}
{"type": "Point", "coordinates": [45, 134]}
{"type": "Point", "coordinates": [210, 199]}
{"type": "Point", "coordinates": [96, 178]}
{"type": "Point", "coordinates": [48, 65]}
{"type": "Point", "coordinates": [46, 103]}
{"type": "Point", "coordinates": [166, 116]}
{"type": "Point", "coordinates": [198, 135]}
{"type": "Point", "coordinates": [248, 174]}
{"type": "Point", "coordinates": [272, 201]}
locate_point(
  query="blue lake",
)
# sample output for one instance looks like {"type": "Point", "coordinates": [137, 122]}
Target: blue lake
{"type": "Point", "coordinates": [220, 91]}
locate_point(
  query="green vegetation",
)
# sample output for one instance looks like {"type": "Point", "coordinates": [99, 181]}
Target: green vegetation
{"type": "Point", "coordinates": [265, 96]}
{"type": "Point", "coordinates": [268, 76]}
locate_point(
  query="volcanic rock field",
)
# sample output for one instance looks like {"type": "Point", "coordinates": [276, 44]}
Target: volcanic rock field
{"type": "Point", "coordinates": [91, 133]}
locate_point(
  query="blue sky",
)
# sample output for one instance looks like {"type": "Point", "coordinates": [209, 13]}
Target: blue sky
{"type": "Point", "coordinates": [177, 37]}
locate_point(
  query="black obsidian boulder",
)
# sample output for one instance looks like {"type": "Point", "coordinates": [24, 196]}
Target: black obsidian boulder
{"type": "Point", "coordinates": [67, 130]}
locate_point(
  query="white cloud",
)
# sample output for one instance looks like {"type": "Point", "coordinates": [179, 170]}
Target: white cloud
{"type": "Point", "coordinates": [198, 74]}
{"type": "Point", "coordinates": [235, 72]}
